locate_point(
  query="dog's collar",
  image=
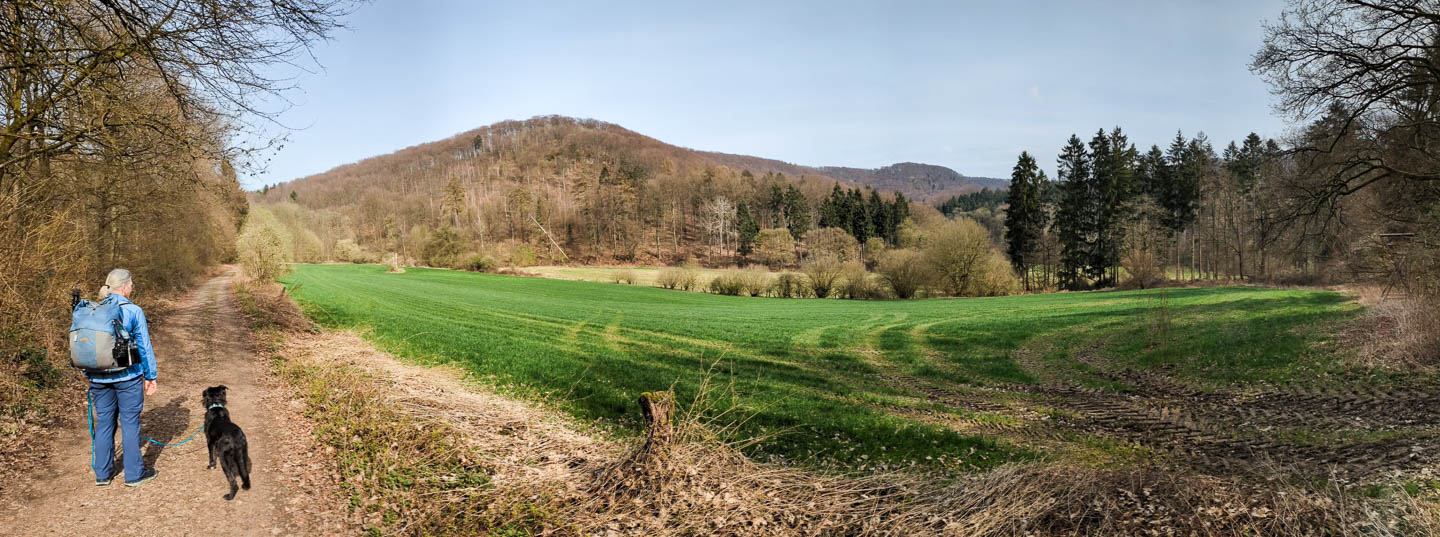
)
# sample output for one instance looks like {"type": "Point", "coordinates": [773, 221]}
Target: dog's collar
{"type": "Point", "coordinates": [216, 405]}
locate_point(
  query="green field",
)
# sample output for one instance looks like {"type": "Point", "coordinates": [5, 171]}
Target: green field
{"type": "Point", "coordinates": [834, 382]}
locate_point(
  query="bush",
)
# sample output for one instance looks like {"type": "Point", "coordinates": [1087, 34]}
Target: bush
{"type": "Point", "coordinates": [261, 252]}
{"type": "Point", "coordinates": [754, 281]}
{"type": "Point", "coordinates": [443, 249]}
{"type": "Point", "coordinates": [669, 278]}
{"type": "Point", "coordinates": [682, 278]}
{"type": "Point", "coordinates": [625, 276]}
{"type": "Point", "coordinates": [522, 256]}
{"type": "Point", "coordinates": [823, 271]}
{"type": "Point", "coordinates": [790, 285]}
{"type": "Point", "coordinates": [347, 251]}
{"type": "Point", "coordinates": [690, 276]}
{"type": "Point", "coordinates": [904, 271]}
{"type": "Point", "coordinates": [727, 283]}
{"type": "Point", "coordinates": [857, 284]}
{"type": "Point", "coordinates": [479, 263]}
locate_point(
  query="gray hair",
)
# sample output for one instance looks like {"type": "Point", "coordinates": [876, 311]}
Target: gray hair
{"type": "Point", "coordinates": [116, 279]}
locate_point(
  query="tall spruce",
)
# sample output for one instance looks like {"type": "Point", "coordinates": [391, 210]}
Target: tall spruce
{"type": "Point", "coordinates": [747, 227]}
{"type": "Point", "coordinates": [1025, 219]}
{"type": "Point", "coordinates": [797, 211]}
{"type": "Point", "coordinates": [1075, 216]}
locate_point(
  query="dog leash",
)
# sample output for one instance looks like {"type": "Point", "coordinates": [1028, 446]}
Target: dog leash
{"type": "Point", "coordinates": [90, 423]}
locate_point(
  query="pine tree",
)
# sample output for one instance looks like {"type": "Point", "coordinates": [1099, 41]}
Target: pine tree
{"type": "Point", "coordinates": [1025, 219]}
{"type": "Point", "coordinates": [898, 213]}
{"type": "Point", "coordinates": [1074, 219]}
{"type": "Point", "coordinates": [879, 216]}
{"type": "Point", "coordinates": [748, 228]}
{"type": "Point", "coordinates": [797, 211]}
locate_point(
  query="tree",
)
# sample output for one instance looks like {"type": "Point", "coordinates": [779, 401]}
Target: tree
{"type": "Point", "coordinates": [964, 262]}
{"type": "Point", "coordinates": [1366, 75]}
{"type": "Point", "coordinates": [904, 271]}
{"type": "Point", "coordinates": [717, 215]}
{"type": "Point", "coordinates": [797, 211]}
{"type": "Point", "coordinates": [775, 247]}
{"type": "Point", "coordinates": [823, 271]}
{"type": "Point", "coordinates": [832, 242]}
{"type": "Point", "coordinates": [1075, 218]}
{"type": "Point", "coordinates": [452, 204]}
{"type": "Point", "coordinates": [747, 227]}
{"type": "Point", "coordinates": [1026, 218]}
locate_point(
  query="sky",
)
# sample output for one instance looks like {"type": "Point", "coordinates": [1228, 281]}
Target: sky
{"type": "Point", "coordinates": [967, 85]}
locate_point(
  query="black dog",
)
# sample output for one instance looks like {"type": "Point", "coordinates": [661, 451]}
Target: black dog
{"type": "Point", "coordinates": [225, 439]}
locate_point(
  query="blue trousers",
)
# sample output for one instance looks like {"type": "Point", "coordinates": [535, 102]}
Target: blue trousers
{"type": "Point", "coordinates": [117, 401]}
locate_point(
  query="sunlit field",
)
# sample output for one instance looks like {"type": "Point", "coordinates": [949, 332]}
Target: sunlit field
{"type": "Point", "coordinates": [937, 384]}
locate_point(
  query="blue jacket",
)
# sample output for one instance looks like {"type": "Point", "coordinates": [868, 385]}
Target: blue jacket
{"type": "Point", "coordinates": [133, 319]}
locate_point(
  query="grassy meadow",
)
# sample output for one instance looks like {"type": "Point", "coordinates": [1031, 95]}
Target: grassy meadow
{"type": "Point", "coordinates": [838, 383]}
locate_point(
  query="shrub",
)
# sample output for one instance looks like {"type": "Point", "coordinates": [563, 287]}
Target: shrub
{"type": "Point", "coordinates": [625, 276]}
{"type": "Point", "coordinates": [790, 285]}
{"type": "Point", "coordinates": [727, 283]}
{"type": "Point", "coordinates": [347, 251]}
{"type": "Point", "coordinates": [775, 247]}
{"type": "Point", "coordinates": [754, 281]}
{"type": "Point", "coordinates": [823, 271]}
{"type": "Point", "coordinates": [443, 248]}
{"type": "Point", "coordinates": [522, 256]}
{"type": "Point", "coordinates": [261, 252]}
{"type": "Point", "coordinates": [856, 282]}
{"type": "Point", "coordinates": [904, 271]}
{"type": "Point", "coordinates": [689, 276]}
{"type": "Point", "coordinates": [669, 278]}
{"type": "Point", "coordinates": [479, 263]}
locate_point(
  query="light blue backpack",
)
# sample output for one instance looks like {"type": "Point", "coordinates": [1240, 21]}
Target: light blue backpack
{"type": "Point", "coordinates": [99, 342]}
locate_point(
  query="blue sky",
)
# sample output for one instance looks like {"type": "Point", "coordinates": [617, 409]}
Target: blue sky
{"type": "Point", "coordinates": [966, 85]}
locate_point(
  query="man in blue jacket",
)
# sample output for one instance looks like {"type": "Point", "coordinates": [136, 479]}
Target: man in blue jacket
{"type": "Point", "coordinates": [122, 393]}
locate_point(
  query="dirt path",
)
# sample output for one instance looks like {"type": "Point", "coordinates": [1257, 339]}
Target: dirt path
{"type": "Point", "coordinates": [202, 343]}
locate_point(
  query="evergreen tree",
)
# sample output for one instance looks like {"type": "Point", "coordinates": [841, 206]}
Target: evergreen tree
{"type": "Point", "coordinates": [830, 215]}
{"type": "Point", "coordinates": [797, 211]}
{"type": "Point", "coordinates": [1025, 219]}
{"type": "Point", "coordinates": [860, 226]}
{"type": "Point", "coordinates": [898, 213]}
{"type": "Point", "coordinates": [879, 216]}
{"type": "Point", "coordinates": [776, 206]}
{"type": "Point", "coordinates": [1074, 219]}
{"type": "Point", "coordinates": [748, 228]}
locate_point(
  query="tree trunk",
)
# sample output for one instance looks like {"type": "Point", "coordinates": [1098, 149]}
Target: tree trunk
{"type": "Point", "coordinates": [657, 408]}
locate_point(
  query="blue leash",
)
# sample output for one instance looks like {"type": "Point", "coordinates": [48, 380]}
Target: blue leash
{"type": "Point", "coordinates": [90, 422]}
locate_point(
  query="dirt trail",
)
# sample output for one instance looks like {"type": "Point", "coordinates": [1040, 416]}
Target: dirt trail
{"type": "Point", "coordinates": [204, 342]}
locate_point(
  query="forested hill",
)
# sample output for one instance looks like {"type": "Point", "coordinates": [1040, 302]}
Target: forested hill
{"type": "Point", "coordinates": [599, 190]}
{"type": "Point", "coordinates": [918, 181]}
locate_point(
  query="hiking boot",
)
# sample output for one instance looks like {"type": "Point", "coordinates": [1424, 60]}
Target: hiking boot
{"type": "Point", "coordinates": [149, 474]}
{"type": "Point", "coordinates": [106, 481]}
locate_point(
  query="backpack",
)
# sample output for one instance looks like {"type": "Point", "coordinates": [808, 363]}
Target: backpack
{"type": "Point", "coordinates": [99, 342]}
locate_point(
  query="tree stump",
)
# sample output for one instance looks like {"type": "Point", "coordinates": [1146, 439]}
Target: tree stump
{"type": "Point", "coordinates": [657, 408]}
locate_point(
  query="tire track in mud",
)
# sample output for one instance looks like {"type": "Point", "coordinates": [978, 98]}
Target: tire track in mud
{"type": "Point", "coordinates": [1365, 431]}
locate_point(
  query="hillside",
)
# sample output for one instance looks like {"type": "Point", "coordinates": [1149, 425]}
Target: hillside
{"type": "Point", "coordinates": [564, 190]}
{"type": "Point", "coordinates": [919, 181]}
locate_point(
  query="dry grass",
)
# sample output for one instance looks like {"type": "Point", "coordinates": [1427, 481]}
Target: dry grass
{"type": "Point", "coordinates": [1395, 332]}
{"type": "Point", "coordinates": [423, 451]}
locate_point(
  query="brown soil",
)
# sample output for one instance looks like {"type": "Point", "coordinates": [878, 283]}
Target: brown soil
{"type": "Point", "coordinates": [1360, 434]}
{"type": "Point", "coordinates": [203, 342]}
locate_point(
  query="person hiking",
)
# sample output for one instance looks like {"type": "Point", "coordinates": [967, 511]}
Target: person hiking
{"type": "Point", "coordinates": [120, 395]}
